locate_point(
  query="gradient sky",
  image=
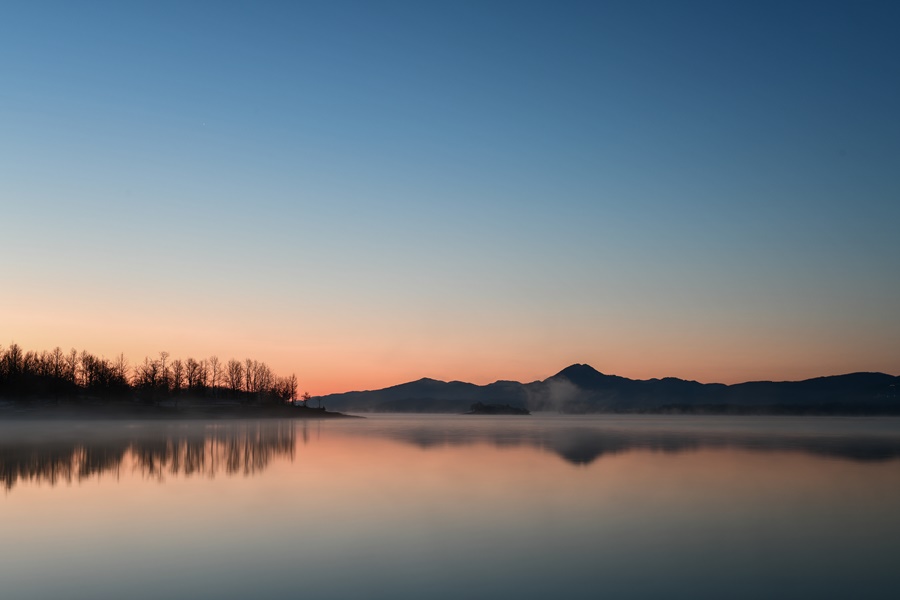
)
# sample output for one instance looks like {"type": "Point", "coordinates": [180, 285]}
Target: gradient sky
{"type": "Point", "coordinates": [368, 193]}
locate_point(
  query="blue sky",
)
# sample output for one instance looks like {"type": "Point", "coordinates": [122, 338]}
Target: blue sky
{"type": "Point", "coordinates": [370, 191]}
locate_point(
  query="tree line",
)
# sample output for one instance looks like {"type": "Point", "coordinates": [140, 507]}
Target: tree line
{"type": "Point", "coordinates": [56, 373]}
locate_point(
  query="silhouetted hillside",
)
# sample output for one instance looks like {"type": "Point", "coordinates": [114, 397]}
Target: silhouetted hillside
{"type": "Point", "coordinates": [31, 377]}
{"type": "Point", "coordinates": [424, 395]}
{"type": "Point", "coordinates": [582, 389]}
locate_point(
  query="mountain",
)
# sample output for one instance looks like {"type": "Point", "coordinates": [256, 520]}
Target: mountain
{"type": "Point", "coordinates": [428, 395]}
{"type": "Point", "coordinates": [580, 388]}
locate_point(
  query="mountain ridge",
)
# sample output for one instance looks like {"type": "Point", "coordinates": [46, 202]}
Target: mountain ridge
{"type": "Point", "coordinates": [580, 388]}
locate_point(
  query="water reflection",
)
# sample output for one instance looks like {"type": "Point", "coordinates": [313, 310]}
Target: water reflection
{"type": "Point", "coordinates": [445, 507]}
{"type": "Point", "coordinates": [582, 443]}
{"type": "Point", "coordinates": [53, 452]}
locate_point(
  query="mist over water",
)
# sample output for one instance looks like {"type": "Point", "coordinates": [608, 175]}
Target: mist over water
{"type": "Point", "coordinates": [400, 506]}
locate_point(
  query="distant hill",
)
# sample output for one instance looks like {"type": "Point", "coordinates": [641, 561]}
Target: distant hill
{"type": "Point", "coordinates": [582, 389]}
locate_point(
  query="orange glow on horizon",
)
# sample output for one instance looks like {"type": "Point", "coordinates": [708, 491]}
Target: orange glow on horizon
{"type": "Point", "coordinates": [360, 356]}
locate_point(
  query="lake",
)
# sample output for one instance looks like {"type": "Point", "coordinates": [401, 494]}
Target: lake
{"type": "Point", "coordinates": [396, 506]}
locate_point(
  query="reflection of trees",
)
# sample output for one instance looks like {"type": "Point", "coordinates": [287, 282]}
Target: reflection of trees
{"type": "Point", "coordinates": [54, 463]}
{"type": "Point", "coordinates": [246, 450]}
{"type": "Point", "coordinates": [155, 450]}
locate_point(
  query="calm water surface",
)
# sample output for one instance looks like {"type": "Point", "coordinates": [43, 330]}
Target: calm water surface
{"type": "Point", "coordinates": [452, 506]}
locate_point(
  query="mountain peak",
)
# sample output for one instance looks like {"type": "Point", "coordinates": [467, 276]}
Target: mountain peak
{"type": "Point", "coordinates": [586, 377]}
{"type": "Point", "coordinates": [578, 370]}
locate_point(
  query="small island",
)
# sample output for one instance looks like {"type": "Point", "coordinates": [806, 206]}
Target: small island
{"type": "Point", "coordinates": [480, 408]}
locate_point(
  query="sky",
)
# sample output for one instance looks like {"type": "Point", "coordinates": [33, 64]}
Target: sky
{"type": "Point", "coordinates": [366, 193]}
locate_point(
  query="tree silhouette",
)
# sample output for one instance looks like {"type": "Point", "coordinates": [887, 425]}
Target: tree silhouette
{"type": "Point", "coordinates": [234, 373]}
{"type": "Point", "coordinates": [214, 373]}
{"type": "Point", "coordinates": [83, 376]}
{"type": "Point", "coordinates": [164, 370]}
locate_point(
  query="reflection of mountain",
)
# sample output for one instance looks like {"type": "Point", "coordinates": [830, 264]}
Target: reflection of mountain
{"type": "Point", "coordinates": [62, 451]}
{"type": "Point", "coordinates": [52, 452]}
{"type": "Point", "coordinates": [582, 389]}
{"type": "Point", "coordinates": [583, 445]}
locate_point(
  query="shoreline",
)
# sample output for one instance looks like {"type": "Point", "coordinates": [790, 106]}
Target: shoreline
{"type": "Point", "coordinates": [99, 412]}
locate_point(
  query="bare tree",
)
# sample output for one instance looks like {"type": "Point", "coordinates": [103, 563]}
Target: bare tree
{"type": "Point", "coordinates": [120, 368]}
{"type": "Point", "coordinates": [292, 387]}
{"type": "Point", "coordinates": [13, 360]}
{"type": "Point", "coordinates": [87, 370]}
{"type": "Point", "coordinates": [45, 364]}
{"type": "Point", "coordinates": [164, 370]}
{"type": "Point", "coordinates": [191, 373]}
{"type": "Point", "coordinates": [177, 375]}
{"type": "Point", "coordinates": [263, 379]}
{"type": "Point", "coordinates": [202, 374]}
{"type": "Point", "coordinates": [283, 388]}
{"type": "Point", "coordinates": [249, 375]}
{"type": "Point", "coordinates": [146, 375]}
{"type": "Point", "coordinates": [72, 366]}
{"type": "Point", "coordinates": [234, 375]}
{"type": "Point", "coordinates": [58, 363]}
{"type": "Point", "coordinates": [31, 363]}
{"type": "Point", "coordinates": [214, 373]}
